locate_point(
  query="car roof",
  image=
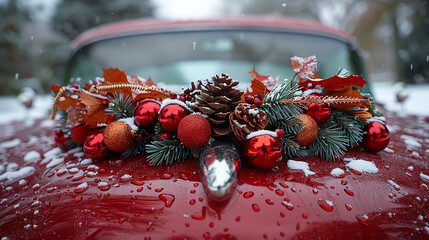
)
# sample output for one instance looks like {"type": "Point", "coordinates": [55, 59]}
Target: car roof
{"type": "Point", "coordinates": [138, 26]}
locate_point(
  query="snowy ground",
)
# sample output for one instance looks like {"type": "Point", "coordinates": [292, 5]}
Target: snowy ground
{"type": "Point", "coordinates": [385, 93]}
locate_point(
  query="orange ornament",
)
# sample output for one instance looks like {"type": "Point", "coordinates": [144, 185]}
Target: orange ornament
{"type": "Point", "coordinates": [309, 130]}
{"type": "Point", "coordinates": [118, 136]}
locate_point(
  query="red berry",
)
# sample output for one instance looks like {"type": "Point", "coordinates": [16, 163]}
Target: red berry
{"type": "Point", "coordinates": [59, 133]}
{"type": "Point", "coordinates": [257, 96]}
{"type": "Point", "coordinates": [249, 99]}
{"type": "Point", "coordinates": [257, 102]}
{"type": "Point", "coordinates": [182, 98]}
{"type": "Point", "coordinates": [75, 86]}
{"type": "Point", "coordinates": [279, 132]}
{"type": "Point", "coordinates": [166, 136]}
{"type": "Point", "coordinates": [173, 95]}
{"type": "Point", "coordinates": [134, 101]}
{"type": "Point", "coordinates": [112, 117]}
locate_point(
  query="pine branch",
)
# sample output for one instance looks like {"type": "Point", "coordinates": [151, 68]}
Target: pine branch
{"type": "Point", "coordinates": [350, 124]}
{"type": "Point", "coordinates": [331, 142]}
{"type": "Point", "coordinates": [291, 125]}
{"type": "Point", "coordinates": [290, 147]}
{"type": "Point", "coordinates": [158, 129]}
{"type": "Point", "coordinates": [136, 149]}
{"type": "Point", "coordinates": [373, 108]}
{"type": "Point", "coordinates": [166, 152]}
{"type": "Point", "coordinates": [122, 108]}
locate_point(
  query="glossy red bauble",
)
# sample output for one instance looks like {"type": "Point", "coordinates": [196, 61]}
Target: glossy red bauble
{"type": "Point", "coordinates": [146, 114]}
{"type": "Point", "coordinates": [376, 137]}
{"type": "Point", "coordinates": [320, 112]}
{"type": "Point", "coordinates": [79, 133]}
{"type": "Point", "coordinates": [264, 152]}
{"type": "Point", "coordinates": [94, 146]}
{"type": "Point", "coordinates": [194, 131]}
{"type": "Point", "coordinates": [170, 117]}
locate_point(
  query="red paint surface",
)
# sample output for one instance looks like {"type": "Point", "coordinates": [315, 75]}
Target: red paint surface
{"type": "Point", "coordinates": [284, 204]}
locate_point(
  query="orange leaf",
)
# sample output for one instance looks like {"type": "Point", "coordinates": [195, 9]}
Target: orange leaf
{"type": "Point", "coordinates": [66, 101]}
{"type": "Point", "coordinates": [114, 75]}
{"type": "Point", "coordinates": [305, 68]}
{"type": "Point", "coordinates": [347, 92]}
{"type": "Point", "coordinates": [337, 82]}
{"type": "Point", "coordinates": [153, 95]}
{"type": "Point", "coordinates": [257, 87]}
{"type": "Point", "coordinates": [95, 113]}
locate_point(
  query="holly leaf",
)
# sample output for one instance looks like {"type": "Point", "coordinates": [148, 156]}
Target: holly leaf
{"type": "Point", "coordinates": [305, 68]}
{"type": "Point", "coordinates": [256, 86]}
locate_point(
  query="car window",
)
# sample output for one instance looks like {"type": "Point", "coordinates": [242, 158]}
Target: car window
{"type": "Point", "coordinates": [178, 58]}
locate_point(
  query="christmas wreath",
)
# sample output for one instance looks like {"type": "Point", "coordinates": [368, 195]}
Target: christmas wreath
{"type": "Point", "coordinates": [303, 116]}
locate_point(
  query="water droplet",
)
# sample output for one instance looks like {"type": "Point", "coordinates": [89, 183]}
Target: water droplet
{"type": "Point", "coordinates": [78, 198]}
{"type": "Point", "coordinates": [211, 224]}
{"type": "Point", "coordinates": [51, 189]}
{"type": "Point", "coordinates": [86, 211]}
{"type": "Point", "coordinates": [78, 178]}
{"type": "Point", "coordinates": [348, 207]}
{"type": "Point", "coordinates": [256, 207]}
{"type": "Point", "coordinates": [103, 186]}
{"type": "Point", "coordinates": [166, 176]}
{"type": "Point", "coordinates": [326, 205]}
{"type": "Point", "coordinates": [284, 185]}
{"type": "Point", "coordinates": [167, 198]}
{"type": "Point", "coordinates": [270, 188]}
{"type": "Point", "coordinates": [121, 220]}
{"type": "Point", "coordinates": [106, 195]}
{"type": "Point", "coordinates": [196, 184]}
{"type": "Point", "coordinates": [47, 204]}
{"type": "Point", "coordinates": [424, 187]}
{"type": "Point", "coordinates": [315, 191]}
{"type": "Point", "coordinates": [349, 192]}
{"type": "Point", "coordinates": [256, 182]}
{"type": "Point", "coordinates": [343, 182]}
{"type": "Point", "coordinates": [290, 178]}
{"type": "Point", "coordinates": [226, 229]}
{"type": "Point", "coordinates": [363, 219]}
{"type": "Point", "coordinates": [103, 211]}
{"type": "Point", "coordinates": [200, 199]}
{"type": "Point", "coordinates": [293, 189]}
{"type": "Point", "coordinates": [136, 182]}
{"type": "Point", "coordinates": [125, 178]}
{"type": "Point", "coordinates": [269, 202]}
{"type": "Point", "coordinates": [288, 205]}
{"type": "Point", "coordinates": [184, 177]}
{"type": "Point", "coordinates": [355, 171]}
{"type": "Point", "coordinates": [280, 192]}
{"type": "Point", "coordinates": [206, 235]}
{"type": "Point", "coordinates": [187, 224]}
{"type": "Point", "coordinates": [202, 216]}
{"type": "Point", "coordinates": [248, 194]}
{"type": "Point", "coordinates": [139, 189]}
{"type": "Point", "coordinates": [159, 190]}
{"type": "Point", "coordinates": [237, 219]}
{"type": "Point", "coordinates": [192, 191]}
{"type": "Point", "coordinates": [192, 202]}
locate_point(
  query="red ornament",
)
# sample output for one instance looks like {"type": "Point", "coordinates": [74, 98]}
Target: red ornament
{"type": "Point", "coordinates": [194, 131]}
{"type": "Point", "coordinates": [94, 146]}
{"type": "Point", "coordinates": [79, 133]}
{"type": "Point", "coordinates": [61, 140]}
{"type": "Point", "coordinates": [376, 137]}
{"type": "Point", "coordinates": [170, 117]}
{"type": "Point", "coordinates": [320, 112]}
{"type": "Point", "coordinates": [146, 114]}
{"type": "Point", "coordinates": [264, 152]}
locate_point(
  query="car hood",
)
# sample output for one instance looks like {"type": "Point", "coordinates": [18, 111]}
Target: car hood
{"type": "Point", "coordinates": [46, 193]}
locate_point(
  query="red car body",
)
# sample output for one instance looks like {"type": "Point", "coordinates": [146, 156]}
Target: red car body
{"type": "Point", "coordinates": [50, 194]}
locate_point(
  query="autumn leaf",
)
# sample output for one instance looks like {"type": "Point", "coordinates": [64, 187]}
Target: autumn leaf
{"type": "Point", "coordinates": [152, 95]}
{"type": "Point", "coordinates": [257, 86]}
{"type": "Point", "coordinates": [305, 68]}
{"type": "Point", "coordinates": [95, 113]}
{"type": "Point", "coordinates": [114, 76]}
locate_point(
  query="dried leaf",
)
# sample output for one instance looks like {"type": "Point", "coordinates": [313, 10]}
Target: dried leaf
{"type": "Point", "coordinates": [305, 68]}
{"type": "Point", "coordinates": [95, 113]}
{"type": "Point", "coordinates": [114, 76]}
{"type": "Point", "coordinates": [152, 95]}
{"type": "Point", "coordinates": [256, 86]}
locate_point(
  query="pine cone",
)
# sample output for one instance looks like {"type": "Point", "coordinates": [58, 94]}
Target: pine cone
{"type": "Point", "coordinates": [218, 99]}
{"type": "Point", "coordinates": [247, 118]}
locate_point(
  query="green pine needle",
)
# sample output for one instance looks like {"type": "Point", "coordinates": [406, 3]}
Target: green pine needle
{"type": "Point", "coordinates": [291, 125]}
{"type": "Point", "coordinates": [350, 124]}
{"type": "Point", "coordinates": [122, 107]}
{"type": "Point", "coordinates": [167, 152]}
{"type": "Point", "coordinates": [136, 149]}
{"type": "Point", "coordinates": [290, 147]}
{"type": "Point", "coordinates": [331, 142]}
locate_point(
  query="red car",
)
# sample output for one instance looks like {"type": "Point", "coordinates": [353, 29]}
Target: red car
{"type": "Point", "coordinates": [46, 193]}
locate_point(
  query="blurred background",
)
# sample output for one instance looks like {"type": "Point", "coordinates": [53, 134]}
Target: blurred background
{"type": "Point", "coordinates": [35, 34]}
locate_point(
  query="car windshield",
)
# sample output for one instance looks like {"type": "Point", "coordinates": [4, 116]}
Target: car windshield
{"type": "Point", "coordinates": [178, 58]}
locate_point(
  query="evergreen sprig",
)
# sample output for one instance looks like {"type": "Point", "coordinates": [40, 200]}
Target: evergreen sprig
{"type": "Point", "coordinates": [120, 106]}
{"type": "Point", "coordinates": [291, 125]}
{"type": "Point", "coordinates": [290, 147]}
{"type": "Point", "coordinates": [350, 124]}
{"type": "Point", "coordinates": [136, 149]}
{"type": "Point", "coordinates": [167, 152]}
{"type": "Point", "coordinates": [331, 142]}
{"type": "Point", "coordinates": [277, 111]}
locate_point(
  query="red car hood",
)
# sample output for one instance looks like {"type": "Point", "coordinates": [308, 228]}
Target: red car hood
{"type": "Point", "coordinates": [48, 194]}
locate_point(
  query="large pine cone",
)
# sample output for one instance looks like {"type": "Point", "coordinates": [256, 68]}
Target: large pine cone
{"type": "Point", "coordinates": [247, 118]}
{"type": "Point", "coordinates": [217, 99]}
